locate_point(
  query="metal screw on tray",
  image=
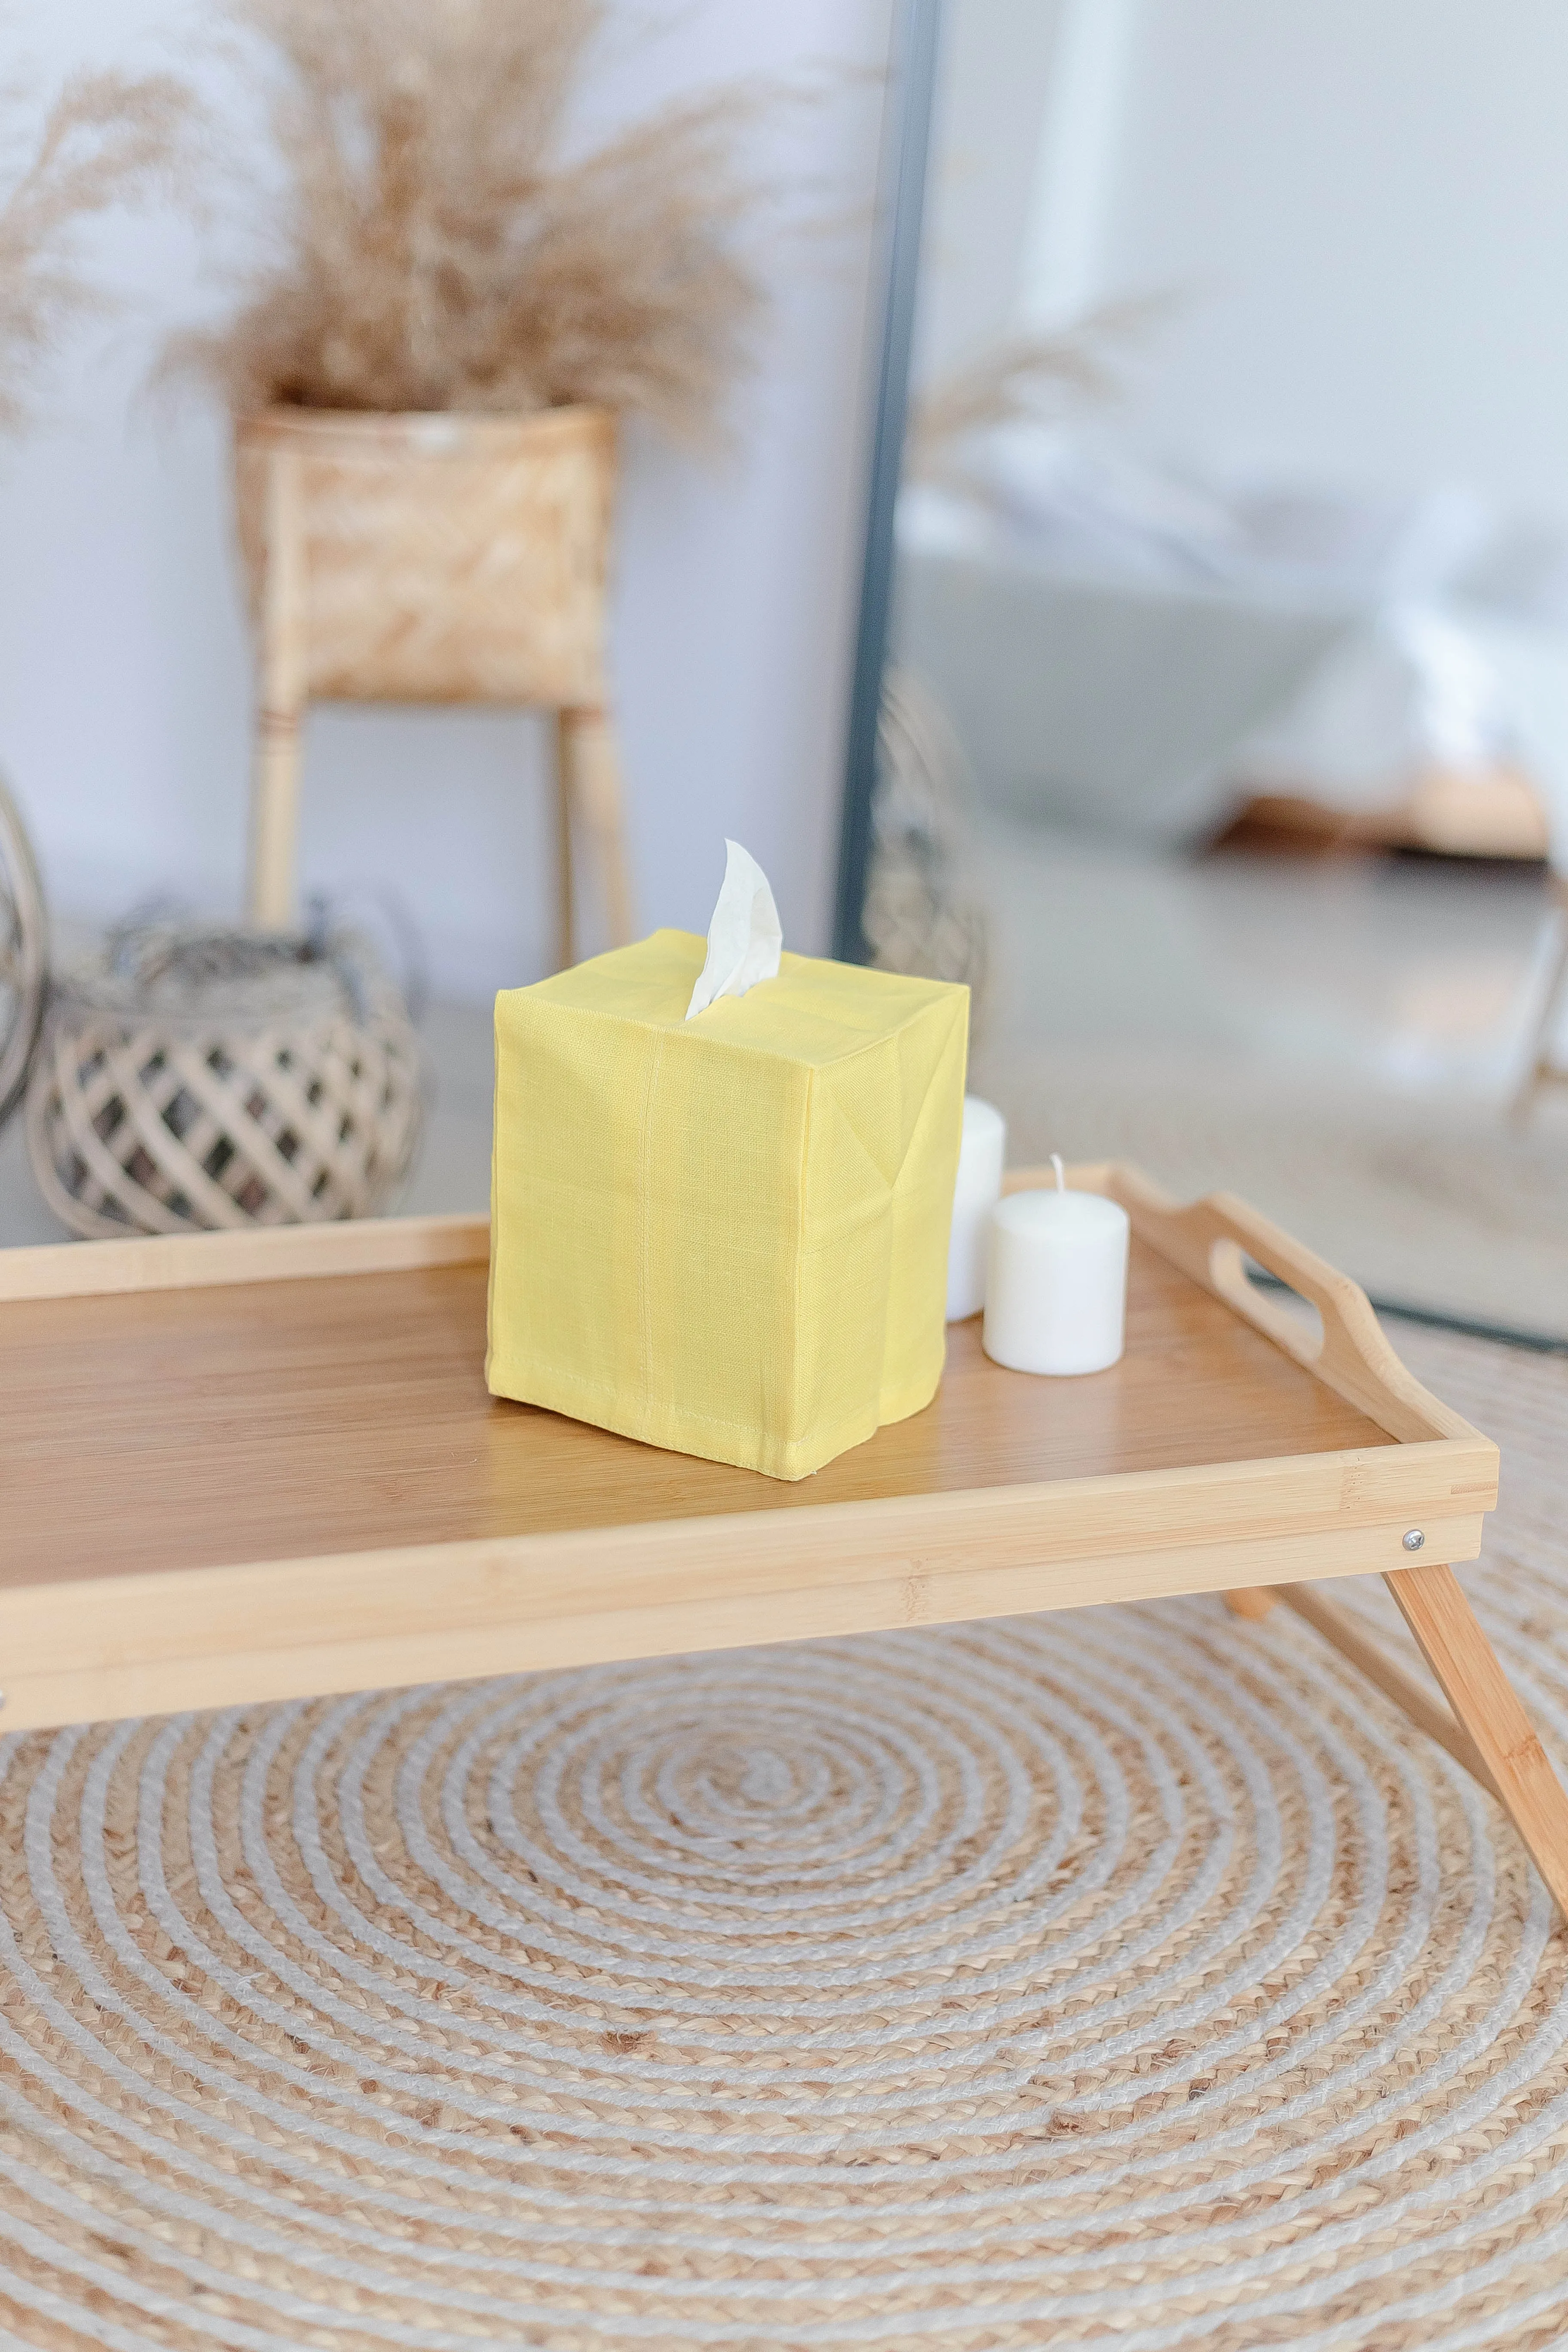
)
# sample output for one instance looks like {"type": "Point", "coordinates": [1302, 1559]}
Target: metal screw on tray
{"type": "Point", "coordinates": [1413, 1540]}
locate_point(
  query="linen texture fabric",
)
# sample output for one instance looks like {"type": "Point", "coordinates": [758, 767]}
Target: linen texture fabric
{"type": "Point", "coordinates": [726, 1235]}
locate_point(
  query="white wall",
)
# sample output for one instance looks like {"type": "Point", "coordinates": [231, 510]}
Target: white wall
{"type": "Point", "coordinates": [1366, 201]}
{"type": "Point", "coordinates": [993, 77]}
{"type": "Point", "coordinates": [124, 676]}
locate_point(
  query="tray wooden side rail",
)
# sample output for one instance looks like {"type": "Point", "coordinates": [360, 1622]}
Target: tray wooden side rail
{"type": "Point", "coordinates": [390, 1523]}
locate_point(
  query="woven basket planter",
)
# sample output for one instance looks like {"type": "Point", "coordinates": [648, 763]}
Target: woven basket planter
{"type": "Point", "coordinates": [429, 559]}
{"type": "Point", "coordinates": [200, 1079]}
{"type": "Point", "coordinates": [447, 559]}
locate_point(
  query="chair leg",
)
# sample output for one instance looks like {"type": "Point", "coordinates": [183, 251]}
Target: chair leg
{"type": "Point", "coordinates": [1434, 1606]}
{"type": "Point", "coordinates": [274, 820]}
{"type": "Point", "coordinates": [275, 786]}
{"type": "Point", "coordinates": [1424, 1707]}
{"type": "Point", "coordinates": [591, 770]}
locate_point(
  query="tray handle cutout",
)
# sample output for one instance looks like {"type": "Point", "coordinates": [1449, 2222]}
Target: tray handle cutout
{"type": "Point", "coordinates": [1231, 1274]}
{"type": "Point", "coordinates": [1211, 1242]}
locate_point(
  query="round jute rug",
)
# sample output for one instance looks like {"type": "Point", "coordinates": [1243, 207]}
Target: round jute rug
{"type": "Point", "coordinates": [1127, 1977]}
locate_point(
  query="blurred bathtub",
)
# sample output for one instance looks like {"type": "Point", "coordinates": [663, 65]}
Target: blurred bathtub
{"type": "Point", "coordinates": [1131, 655]}
{"type": "Point", "coordinates": [1115, 704]}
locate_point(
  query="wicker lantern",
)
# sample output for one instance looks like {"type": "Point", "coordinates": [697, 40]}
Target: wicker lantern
{"type": "Point", "coordinates": [199, 1078]}
{"type": "Point", "coordinates": [24, 955]}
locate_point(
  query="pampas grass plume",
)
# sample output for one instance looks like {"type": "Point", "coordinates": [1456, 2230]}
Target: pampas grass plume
{"type": "Point", "coordinates": [108, 139]}
{"type": "Point", "coordinates": [439, 247]}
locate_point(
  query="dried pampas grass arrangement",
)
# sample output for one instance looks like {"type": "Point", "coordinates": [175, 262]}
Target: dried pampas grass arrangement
{"type": "Point", "coordinates": [440, 248]}
{"type": "Point", "coordinates": [1079, 364]}
{"type": "Point", "coordinates": [108, 139]}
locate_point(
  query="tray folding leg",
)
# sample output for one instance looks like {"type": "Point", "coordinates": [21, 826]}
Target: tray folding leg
{"type": "Point", "coordinates": [1434, 1606]}
{"type": "Point", "coordinates": [1213, 1241]}
{"type": "Point", "coordinates": [1488, 1732]}
{"type": "Point", "coordinates": [1252, 1601]}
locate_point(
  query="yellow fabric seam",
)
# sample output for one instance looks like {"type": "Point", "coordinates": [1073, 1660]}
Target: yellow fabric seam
{"type": "Point", "coordinates": [644, 1163]}
{"type": "Point", "coordinates": [798, 1254]}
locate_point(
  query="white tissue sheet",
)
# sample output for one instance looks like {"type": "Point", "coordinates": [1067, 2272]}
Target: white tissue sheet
{"type": "Point", "coordinates": [744, 937]}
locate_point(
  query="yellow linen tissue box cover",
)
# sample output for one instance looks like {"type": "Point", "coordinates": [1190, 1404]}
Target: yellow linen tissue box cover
{"type": "Point", "coordinates": [725, 1231]}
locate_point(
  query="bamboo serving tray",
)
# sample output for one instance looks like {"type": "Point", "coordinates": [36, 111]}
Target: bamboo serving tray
{"type": "Point", "coordinates": [245, 1468]}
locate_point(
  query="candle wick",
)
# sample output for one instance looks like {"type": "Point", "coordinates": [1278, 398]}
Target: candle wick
{"type": "Point", "coordinates": [1061, 1171]}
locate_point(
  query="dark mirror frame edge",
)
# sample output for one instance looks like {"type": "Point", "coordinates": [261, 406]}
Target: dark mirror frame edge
{"type": "Point", "coordinates": [911, 91]}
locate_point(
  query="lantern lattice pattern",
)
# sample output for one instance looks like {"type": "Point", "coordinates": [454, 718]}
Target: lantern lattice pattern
{"type": "Point", "coordinates": [24, 956]}
{"type": "Point", "coordinates": [205, 1079]}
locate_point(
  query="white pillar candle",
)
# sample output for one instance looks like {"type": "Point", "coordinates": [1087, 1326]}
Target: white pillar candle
{"type": "Point", "coordinates": [1056, 1289]}
{"type": "Point", "coordinates": [979, 1190]}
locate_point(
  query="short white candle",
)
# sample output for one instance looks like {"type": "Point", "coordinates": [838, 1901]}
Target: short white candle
{"type": "Point", "coordinates": [979, 1190]}
{"type": "Point", "coordinates": [1055, 1290]}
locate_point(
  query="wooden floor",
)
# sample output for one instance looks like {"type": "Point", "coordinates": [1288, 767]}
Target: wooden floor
{"type": "Point", "coordinates": [200, 1428]}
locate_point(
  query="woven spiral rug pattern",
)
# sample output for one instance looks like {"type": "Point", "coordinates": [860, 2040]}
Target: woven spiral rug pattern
{"type": "Point", "coordinates": [1128, 1978]}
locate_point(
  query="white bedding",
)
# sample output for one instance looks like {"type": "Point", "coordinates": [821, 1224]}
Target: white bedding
{"type": "Point", "coordinates": [1128, 647]}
